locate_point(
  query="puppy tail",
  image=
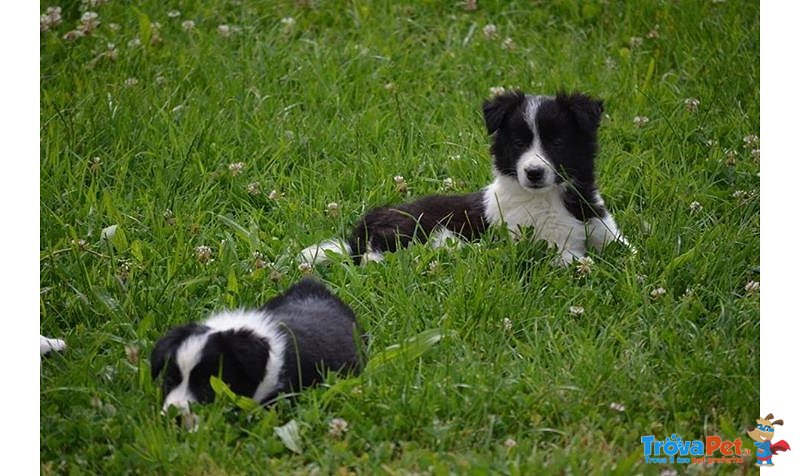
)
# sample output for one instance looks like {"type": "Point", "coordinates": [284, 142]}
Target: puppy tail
{"type": "Point", "coordinates": [317, 254]}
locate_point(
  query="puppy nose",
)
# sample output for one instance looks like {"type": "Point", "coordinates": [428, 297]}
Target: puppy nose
{"type": "Point", "coordinates": [535, 174]}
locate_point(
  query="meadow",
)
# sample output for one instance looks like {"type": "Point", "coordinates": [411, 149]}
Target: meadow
{"type": "Point", "coordinates": [189, 150]}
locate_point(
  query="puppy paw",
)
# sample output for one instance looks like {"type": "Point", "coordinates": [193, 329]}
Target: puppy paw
{"type": "Point", "coordinates": [47, 345]}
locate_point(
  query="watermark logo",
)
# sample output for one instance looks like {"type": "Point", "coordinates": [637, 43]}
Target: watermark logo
{"type": "Point", "coordinates": [762, 435]}
{"type": "Point", "coordinates": [674, 449]}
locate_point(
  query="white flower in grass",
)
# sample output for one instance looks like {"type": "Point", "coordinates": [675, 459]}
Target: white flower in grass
{"type": "Point", "coordinates": [254, 188]}
{"type": "Point", "coordinates": [338, 427]}
{"type": "Point", "coordinates": [114, 27]}
{"type": "Point", "coordinates": [89, 23]}
{"type": "Point", "coordinates": [187, 25]}
{"type": "Point", "coordinates": [130, 82]}
{"type": "Point", "coordinates": [203, 254]}
{"type": "Point", "coordinates": [275, 276]}
{"type": "Point", "coordinates": [490, 31]}
{"type": "Point", "coordinates": [434, 266]}
{"type": "Point", "coordinates": [135, 43]}
{"type": "Point", "coordinates": [160, 80]}
{"type": "Point", "coordinates": [752, 287]}
{"type": "Point", "coordinates": [448, 183]}
{"type": "Point", "coordinates": [391, 87]}
{"type": "Point", "coordinates": [236, 168]}
{"type": "Point", "coordinates": [51, 18]}
{"type": "Point", "coordinates": [275, 195]}
{"type": "Point", "coordinates": [224, 31]}
{"type": "Point", "coordinates": [95, 164]}
{"type": "Point", "coordinates": [507, 324]}
{"type": "Point", "coordinates": [750, 139]}
{"type": "Point", "coordinates": [695, 207]}
{"type": "Point", "coordinates": [111, 51]}
{"type": "Point", "coordinates": [756, 153]}
{"type": "Point", "coordinates": [739, 194]}
{"type": "Point", "coordinates": [691, 104]}
{"type": "Point", "coordinates": [635, 41]}
{"type": "Point", "coordinates": [173, 13]}
{"type": "Point", "coordinates": [508, 43]}
{"type": "Point", "coordinates": [73, 35]}
{"type": "Point", "coordinates": [288, 24]}
{"type": "Point", "coordinates": [617, 407]}
{"type": "Point", "coordinates": [654, 33]}
{"type": "Point", "coordinates": [169, 216]}
{"type": "Point", "coordinates": [640, 121]}
{"type": "Point", "coordinates": [497, 90]}
{"type": "Point", "coordinates": [305, 268]}
{"type": "Point", "coordinates": [584, 266]}
{"type": "Point", "coordinates": [132, 353]}
{"type": "Point", "coordinates": [510, 443]}
{"type": "Point", "coordinates": [455, 157]}
{"type": "Point", "coordinates": [576, 310]}
{"type": "Point", "coordinates": [400, 184]}
{"type": "Point", "coordinates": [658, 292]}
{"type": "Point", "coordinates": [332, 209]}
{"type": "Point", "coordinates": [79, 243]}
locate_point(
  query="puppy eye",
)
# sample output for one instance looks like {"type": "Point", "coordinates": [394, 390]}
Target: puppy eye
{"type": "Point", "coordinates": [557, 141]}
{"type": "Point", "coordinates": [520, 142]}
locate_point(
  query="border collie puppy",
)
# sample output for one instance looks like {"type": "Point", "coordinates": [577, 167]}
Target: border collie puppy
{"type": "Point", "coordinates": [544, 150]}
{"type": "Point", "coordinates": [282, 347]}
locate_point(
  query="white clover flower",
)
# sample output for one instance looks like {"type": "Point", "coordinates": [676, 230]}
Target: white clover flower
{"type": "Point", "coordinates": [510, 443]}
{"type": "Point", "coordinates": [275, 195]}
{"type": "Point", "coordinates": [114, 27]}
{"type": "Point", "coordinates": [169, 217]}
{"type": "Point", "coordinates": [750, 139]}
{"type": "Point", "coordinates": [51, 18]}
{"type": "Point", "coordinates": [135, 43]}
{"type": "Point", "coordinates": [507, 324]}
{"type": "Point", "coordinates": [400, 184]}
{"type": "Point", "coordinates": [254, 188]}
{"type": "Point", "coordinates": [752, 287]}
{"type": "Point", "coordinates": [391, 87]}
{"type": "Point", "coordinates": [173, 13]}
{"type": "Point", "coordinates": [576, 310]}
{"type": "Point", "coordinates": [448, 183]}
{"type": "Point", "coordinates": [756, 153]}
{"type": "Point", "coordinates": [160, 80]}
{"type": "Point", "coordinates": [636, 41]}
{"type": "Point", "coordinates": [224, 31]}
{"type": "Point", "coordinates": [288, 23]}
{"type": "Point", "coordinates": [305, 268]}
{"type": "Point", "coordinates": [658, 292]}
{"type": "Point", "coordinates": [235, 168]}
{"type": "Point", "coordinates": [130, 82]}
{"type": "Point", "coordinates": [508, 43]}
{"type": "Point", "coordinates": [433, 266]}
{"type": "Point", "coordinates": [738, 194]}
{"type": "Point", "coordinates": [584, 266]}
{"type": "Point", "coordinates": [332, 209]}
{"type": "Point", "coordinates": [89, 22]}
{"type": "Point", "coordinates": [490, 31]}
{"type": "Point", "coordinates": [497, 90]}
{"type": "Point", "coordinates": [691, 104]}
{"type": "Point", "coordinates": [617, 407]}
{"type": "Point", "coordinates": [695, 207]}
{"type": "Point", "coordinates": [73, 35]}
{"type": "Point", "coordinates": [338, 427]}
{"type": "Point", "coordinates": [187, 25]}
{"type": "Point", "coordinates": [640, 121]}
{"type": "Point", "coordinates": [470, 5]}
{"type": "Point", "coordinates": [203, 254]}
{"type": "Point", "coordinates": [455, 157]}
{"type": "Point", "coordinates": [653, 34]}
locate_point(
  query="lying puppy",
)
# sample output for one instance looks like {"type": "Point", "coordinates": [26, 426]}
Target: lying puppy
{"type": "Point", "coordinates": [286, 345]}
{"type": "Point", "coordinates": [544, 149]}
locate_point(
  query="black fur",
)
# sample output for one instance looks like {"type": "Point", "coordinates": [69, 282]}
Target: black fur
{"type": "Point", "coordinates": [320, 334]}
{"type": "Point", "coordinates": [386, 228]}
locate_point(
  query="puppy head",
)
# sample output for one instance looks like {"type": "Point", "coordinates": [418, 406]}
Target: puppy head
{"type": "Point", "coordinates": [189, 355]}
{"type": "Point", "coordinates": [543, 141]}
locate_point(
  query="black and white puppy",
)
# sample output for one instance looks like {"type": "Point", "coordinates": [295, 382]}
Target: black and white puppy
{"type": "Point", "coordinates": [544, 151]}
{"type": "Point", "coordinates": [282, 347]}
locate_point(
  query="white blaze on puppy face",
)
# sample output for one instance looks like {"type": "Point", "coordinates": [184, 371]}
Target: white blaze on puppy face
{"type": "Point", "coordinates": [534, 171]}
{"type": "Point", "coordinates": [186, 358]}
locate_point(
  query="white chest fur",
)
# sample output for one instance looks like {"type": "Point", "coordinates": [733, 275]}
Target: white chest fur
{"type": "Point", "coordinates": [507, 202]}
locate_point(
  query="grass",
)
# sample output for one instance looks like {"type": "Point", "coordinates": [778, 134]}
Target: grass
{"type": "Point", "coordinates": [330, 109]}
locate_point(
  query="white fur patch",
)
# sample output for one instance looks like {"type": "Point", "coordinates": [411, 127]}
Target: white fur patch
{"type": "Point", "coordinates": [315, 254]}
{"type": "Point", "coordinates": [506, 201]}
{"type": "Point", "coordinates": [444, 238]}
{"type": "Point", "coordinates": [47, 344]}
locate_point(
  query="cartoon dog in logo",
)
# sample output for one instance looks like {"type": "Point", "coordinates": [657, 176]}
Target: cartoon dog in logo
{"type": "Point", "coordinates": [762, 433]}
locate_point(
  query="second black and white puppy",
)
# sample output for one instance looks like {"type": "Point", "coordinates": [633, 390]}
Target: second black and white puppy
{"type": "Point", "coordinates": [282, 347]}
{"type": "Point", "coordinates": [544, 151]}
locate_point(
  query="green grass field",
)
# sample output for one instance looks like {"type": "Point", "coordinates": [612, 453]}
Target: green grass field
{"type": "Point", "coordinates": [142, 119]}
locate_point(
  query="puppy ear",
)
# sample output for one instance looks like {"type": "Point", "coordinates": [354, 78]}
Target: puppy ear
{"type": "Point", "coordinates": [248, 352]}
{"type": "Point", "coordinates": [496, 109]}
{"type": "Point", "coordinates": [777, 422]}
{"type": "Point", "coordinates": [166, 346]}
{"type": "Point", "coordinates": [768, 417]}
{"type": "Point", "coordinates": [586, 111]}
